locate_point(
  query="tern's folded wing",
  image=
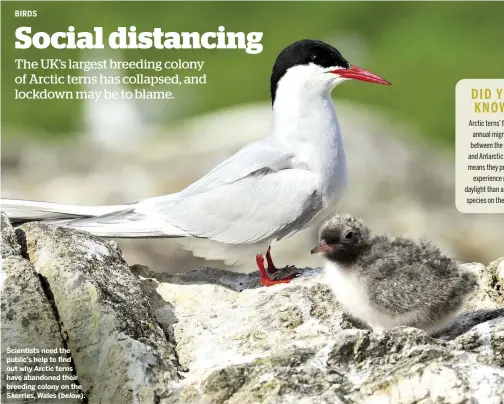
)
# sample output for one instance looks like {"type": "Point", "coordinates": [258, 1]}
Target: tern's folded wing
{"type": "Point", "coordinates": [265, 204]}
{"type": "Point", "coordinates": [254, 158]}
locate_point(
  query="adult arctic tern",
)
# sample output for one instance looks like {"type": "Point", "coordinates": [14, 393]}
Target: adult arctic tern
{"type": "Point", "coordinates": [269, 190]}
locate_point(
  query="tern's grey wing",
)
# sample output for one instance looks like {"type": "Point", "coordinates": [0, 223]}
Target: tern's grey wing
{"type": "Point", "coordinates": [264, 205]}
{"type": "Point", "coordinates": [253, 158]}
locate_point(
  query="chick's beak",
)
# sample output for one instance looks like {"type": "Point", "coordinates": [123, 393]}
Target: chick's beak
{"type": "Point", "coordinates": [321, 247]}
{"type": "Point", "coordinates": [356, 73]}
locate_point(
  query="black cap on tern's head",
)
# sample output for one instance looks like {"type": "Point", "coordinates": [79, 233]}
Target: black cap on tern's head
{"type": "Point", "coordinates": [325, 58]}
{"type": "Point", "coordinates": [343, 238]}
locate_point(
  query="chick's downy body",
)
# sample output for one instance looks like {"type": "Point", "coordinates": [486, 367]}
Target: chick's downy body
{"type": "Point", "coordinates": [390, 281]}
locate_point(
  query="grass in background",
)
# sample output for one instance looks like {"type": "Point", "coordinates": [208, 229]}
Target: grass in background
{"type": "Point", "coordinates": [422, 48]}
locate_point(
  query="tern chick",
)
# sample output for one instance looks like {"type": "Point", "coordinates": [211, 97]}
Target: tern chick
{"type": "Point", "coordinates": [390, 281]}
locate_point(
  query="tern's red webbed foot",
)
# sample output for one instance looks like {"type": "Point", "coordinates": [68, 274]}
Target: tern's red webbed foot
{"type": "Point", "coordinates": [265, 279]}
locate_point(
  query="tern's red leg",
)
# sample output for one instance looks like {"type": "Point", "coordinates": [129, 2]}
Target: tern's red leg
{"type": "Point", "coordinates": [271, 266]}
{"type": "Point", "coordinates": [265, 279]}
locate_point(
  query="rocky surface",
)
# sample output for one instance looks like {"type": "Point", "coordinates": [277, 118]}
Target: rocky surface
{"type": "Point", "coordinates": [28, 319]}
{"type": "Point", "coordinates": [213, 336]}
{"type": "Point", "coordinates": [293, 344]}
{"type": "Point", "coordinates": [94, 306]}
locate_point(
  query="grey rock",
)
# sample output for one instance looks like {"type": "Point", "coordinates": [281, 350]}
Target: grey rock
{"type": "Point", "coordinates": [293, 344]}
{"type": "Point", "coordinates": [29, 325]}
{"type": "Point", "coordinates": [121, 354]}
{"type": "Point", "coordinates": [416, 371]}
{"type": "Point", "coordinates": [9, 246]}
{"type": "Point", "coordinates": [357, 366]}
{"type": "Point", "coordinates": [226, 316]}
{"type": "Point", "coordinates": [485, 339]}
{"type": "Point", "coordinates": [161, 310]}
{"type": "Point", "coordinates": [495, 281]}
{"type": "Point", "coordinates": [463, 323]}
{"type": "Point", "coordinates": [490, 294]}
{"type": "Point", "coordinates": [237, 342]}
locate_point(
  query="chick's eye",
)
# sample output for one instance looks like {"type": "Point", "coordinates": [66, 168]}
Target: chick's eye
{"type": "Point", "coordinates": [349, 235]}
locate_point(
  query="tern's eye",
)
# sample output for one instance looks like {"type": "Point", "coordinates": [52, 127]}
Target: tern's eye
{"type": "Point", "coordinates": [349, 235]}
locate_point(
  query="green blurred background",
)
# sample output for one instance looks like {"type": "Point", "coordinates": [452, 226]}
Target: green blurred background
{"type": "Point", "coordinates": [422, 48]}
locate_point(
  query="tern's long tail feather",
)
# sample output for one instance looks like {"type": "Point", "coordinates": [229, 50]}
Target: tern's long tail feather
{"type": "Point", "coordinates": [21, 211]}
{"type": "Point", "coordinates": [116, 221]}
{"type": "Point", "coordinates": [126, 223]}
